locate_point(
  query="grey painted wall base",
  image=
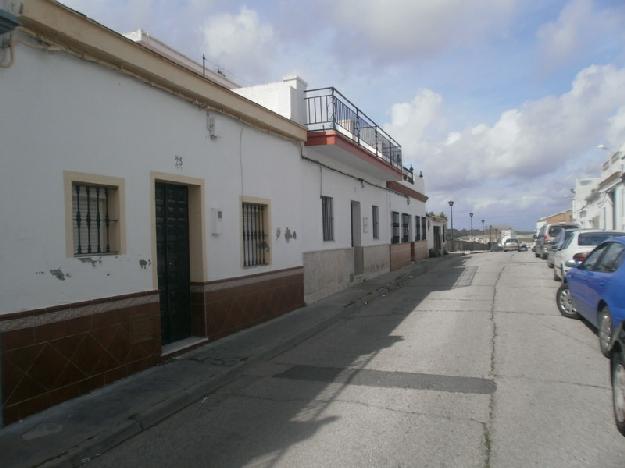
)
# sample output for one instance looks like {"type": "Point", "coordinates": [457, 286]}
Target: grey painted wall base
{"type": "Point", "coordinates": [329, 271]}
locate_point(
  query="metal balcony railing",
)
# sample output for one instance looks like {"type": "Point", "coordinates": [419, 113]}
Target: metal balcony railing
{"type": "Point", "coordinates": [328, 109]}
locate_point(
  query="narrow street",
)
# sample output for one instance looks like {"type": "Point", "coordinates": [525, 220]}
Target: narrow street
{"type": "Point", "coordinates": [469, 365]}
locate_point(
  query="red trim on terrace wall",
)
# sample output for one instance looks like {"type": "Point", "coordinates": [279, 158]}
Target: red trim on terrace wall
{"type": "Point", "coordinates": [332, 137]}
{"type": "Point", "coordinates": [397, 187]}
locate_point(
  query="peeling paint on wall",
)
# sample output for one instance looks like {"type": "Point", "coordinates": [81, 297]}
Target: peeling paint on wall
{"type": "Point", "coordinates": [144, 264]}
{"type": "Point", "coordinates": [91, 260]}
{"type": "Point", "coordinates": [278, 232]}
{"type": "Point", "coordinates": [288, 234]}
{"type": "Point", "coordinates": [58, 274]}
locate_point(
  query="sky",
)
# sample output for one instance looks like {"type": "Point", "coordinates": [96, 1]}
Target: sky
{"type": "Point", "coordinates": [501, 104]}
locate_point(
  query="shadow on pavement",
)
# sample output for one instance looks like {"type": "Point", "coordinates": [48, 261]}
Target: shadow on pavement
{"type": "Point", "coordinates": [258, 418]}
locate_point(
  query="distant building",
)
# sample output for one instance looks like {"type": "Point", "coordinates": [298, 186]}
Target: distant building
{"type": "Point", "coordinates": [600, 202]}
{"type": "Point", "coordinates": [582, 212]}
{"type": "Point", "coordinates": [561, 217]}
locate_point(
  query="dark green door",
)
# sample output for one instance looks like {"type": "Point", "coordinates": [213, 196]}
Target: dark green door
{"type": "Point", "coordinates": [172, 244]}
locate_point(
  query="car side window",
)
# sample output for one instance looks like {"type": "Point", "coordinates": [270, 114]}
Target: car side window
{"type": "Point", "coordinates": [611, 259]}
{"type": "Point", "coordinates": [591, 261]}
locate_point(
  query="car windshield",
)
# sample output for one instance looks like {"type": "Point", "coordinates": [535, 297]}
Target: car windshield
{"type": "Point", "coordinates": [596, 238]}
{"type": "Point", "coordinates": [555, 230]}
{"type": "Point", "coordinates": [565, 240]}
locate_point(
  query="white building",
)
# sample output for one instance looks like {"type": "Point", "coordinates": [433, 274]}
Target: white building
{"type": "Point", "coordinates": [540, 223]}
{"type": "Point", "coordinates": [583, 213]}
{"type": "Point", "coordinates": [600, 202]}
{"type": "Point", "coordinates": [437, 234]}
{"type": "Point", "coordinates": [152, 208]}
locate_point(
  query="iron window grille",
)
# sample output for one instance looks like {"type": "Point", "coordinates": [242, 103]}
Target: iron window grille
{"type": "Point", "coordinates": [417, 225]}
{"type": "Point", "coordinates": [405, 227]}
{"type": "Point", "coordinates": [394, 227]}
{"type": "Point", "coordinates": [255, 247]}
{"type": "Point", "coordinates": [375, 221]}
{"type": "Point", "coordinates": [424, 228]}
{"type": "Point", "coordinates": [91, 219]}
{"type": "Point", "coordinates": [327, 218]}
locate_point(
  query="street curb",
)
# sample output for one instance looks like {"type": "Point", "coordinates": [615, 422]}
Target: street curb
{"type": "Point", "coordinates": [138, 423]}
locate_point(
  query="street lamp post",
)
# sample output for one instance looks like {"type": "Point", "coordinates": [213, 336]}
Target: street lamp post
{"type": "Point", "coordinates": [451, 209]}
{"type": "Point", "coordinates": [483, 232]}
{"type": "Point", "coordinates": [471, 229]}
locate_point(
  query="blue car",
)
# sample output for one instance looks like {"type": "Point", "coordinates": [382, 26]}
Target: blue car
{"type": "Point", "coordinates": [595, 290]}
{"type": "Point", "coordinates": [617, 377]}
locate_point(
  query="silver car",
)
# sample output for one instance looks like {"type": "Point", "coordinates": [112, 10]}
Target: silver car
{"type": "Point", "coordinates": [562, 238]}
{"type": "Point", "coordinates": [579, 244]}
{"type": "Point", "coordinates": [511, 244]}
{"type": "Point", "coordinates": [546, 236]}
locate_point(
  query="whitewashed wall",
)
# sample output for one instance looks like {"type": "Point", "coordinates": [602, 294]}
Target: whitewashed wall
{"type": "Point", "coordinates": [317, 181]}
{"type": "Point", "coordinates": [68, 114]}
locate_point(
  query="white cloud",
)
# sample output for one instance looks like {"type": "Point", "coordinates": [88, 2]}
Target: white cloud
{"type": "Point", "coordinates": [396, 28]}
{"type": "Point", "coordinates": [241, 42]}
{"type": "Point", "coordinates": [530, 153]}
{"type": "Point", "coordinates": [579, 27]}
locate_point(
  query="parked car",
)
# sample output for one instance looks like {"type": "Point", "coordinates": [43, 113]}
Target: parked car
{"type": "Point", "coordinates": [617, 377]}
{"type": "Point", "coordinates": [563, 236]}
{"type": "Point", "coordinates": [547, 234]}
{"type": "Point", "coordinates": [510, 244]}
{"type": "Point", "coordinates": [595, 290]}
{"type": "Point", "coordinates": [523, 248]}
{"type": "Point", "coordinates": [577, 247]}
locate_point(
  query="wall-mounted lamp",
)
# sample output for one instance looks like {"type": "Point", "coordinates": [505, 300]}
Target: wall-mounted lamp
{"type": "Point", "coordinates": [362, 183]}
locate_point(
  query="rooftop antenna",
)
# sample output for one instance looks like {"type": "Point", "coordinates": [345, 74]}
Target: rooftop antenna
{"type": "Point", "coordinates": [203, 65]}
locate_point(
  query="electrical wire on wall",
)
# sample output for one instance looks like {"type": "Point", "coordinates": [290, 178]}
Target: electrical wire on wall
{"type": "Point", "coordinates": [241, 158]}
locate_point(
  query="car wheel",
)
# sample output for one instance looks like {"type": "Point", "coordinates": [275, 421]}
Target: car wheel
{"type": "Point", "coordinates": [617, 366]}
{"type": "Point", "coordinates": [555, 275]}
{"type": "Point", "coordinates": [604, 331]}
{"type": "Point", "coordinates": [565, 305]}
{"type": "Point", "coordinates": [544, 256]}
{"type": "Point", "coordinates": [550, 265]}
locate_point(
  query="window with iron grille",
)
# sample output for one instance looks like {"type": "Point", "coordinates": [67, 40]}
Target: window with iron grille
{"type": "Point", "coordinates": [375, 221]}
{"type": "Point", "coordinates": [394, 227]}
{"type": "Point", "coordinates": [255, 247]}
{"type": "Point", "coordinates": [405, 227]}
{"type": "Point", "coordinates": [424, 228]}
{"type": "Point", "coordinates": [327, 218]}
{"type": "Point", "coordinates": [417, 225]}
{"type": "Point", "coordinates": [92, 220]}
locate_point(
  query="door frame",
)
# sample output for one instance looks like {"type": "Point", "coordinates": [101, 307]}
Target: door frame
{"type": "Point", "coordinates": [197, 232]}
{"type": "Point", "coordinates": [356, 237]}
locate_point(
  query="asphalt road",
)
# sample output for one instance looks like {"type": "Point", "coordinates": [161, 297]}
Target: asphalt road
{"type": "Point", "coordinates": [466, 366]}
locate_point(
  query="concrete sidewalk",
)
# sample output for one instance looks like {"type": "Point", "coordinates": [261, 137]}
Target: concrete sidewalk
{"type": "Point", "coordinates": [77, 430]}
